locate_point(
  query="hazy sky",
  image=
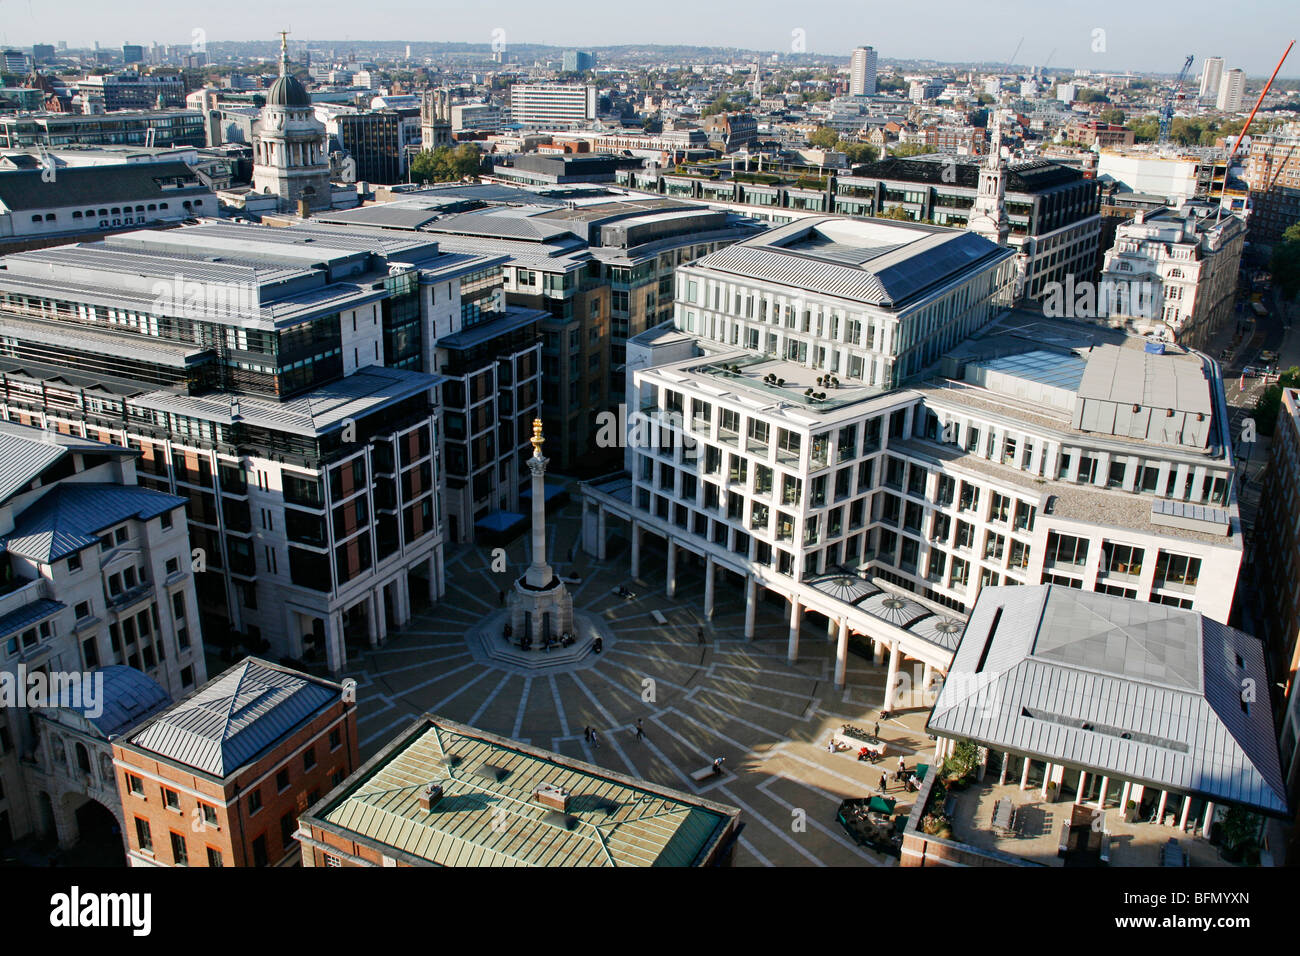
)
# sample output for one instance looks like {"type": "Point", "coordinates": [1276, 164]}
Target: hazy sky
{"type": "Point", "coordinates": [1138, 34]}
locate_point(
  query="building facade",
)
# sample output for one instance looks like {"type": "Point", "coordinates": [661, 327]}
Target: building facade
{"type": "Point", "coordinates": [199, 791]}
{"type": "Point", "coordinates": [1175, 273]}
{"type": "Point", "coordinates": [552, 105]}
{"type": "Point", "coordinates": [1273, 174]}
{"type": "Point", "coordinates": [862, 72]}
{"type": "Point", "coordinates": [95, 576]}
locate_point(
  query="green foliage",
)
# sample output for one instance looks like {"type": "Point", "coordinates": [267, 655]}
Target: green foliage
{"type": "Point", "coordinates": [1146, 129]}
{"type": "Point", "coordinates": [909, 149]}
{"type": "Point", "coordinates": [447, 164]}
{"type": "Point", "coordinates": [1270, 403]}
{"type": "Point", "coordinates": [858, 152]}
{"type": "Point", "coordinates": [1091, 96]}
{"type": "Point", "coordinates": [824, 138]}
{"type": "Point", "coordinates": [962, 762]}
{"type": "Point", "coordinates": [1114, 116]}
{"type": "Point", "coordinates": [1238, 827]}
{"type": "Point", "coordinates": [1285, 263]}
{"type": "Point", "coordinates": [722, 104]}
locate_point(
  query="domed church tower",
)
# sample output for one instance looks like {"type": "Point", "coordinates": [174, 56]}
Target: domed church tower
{"type": "Point", "coordinates": [289, 158]}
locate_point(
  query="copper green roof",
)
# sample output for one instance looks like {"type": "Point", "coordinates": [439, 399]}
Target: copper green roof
{"type": "Point", "coordinates": [488, 816]}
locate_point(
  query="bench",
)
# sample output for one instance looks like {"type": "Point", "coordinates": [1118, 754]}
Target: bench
{"type": "Point", "coordinates": [699, 776]}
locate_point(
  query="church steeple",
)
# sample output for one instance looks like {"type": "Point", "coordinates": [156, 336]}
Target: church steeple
{"type": "Point", "coordinates": [989, 213]}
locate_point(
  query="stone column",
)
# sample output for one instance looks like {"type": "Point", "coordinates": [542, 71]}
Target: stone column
{"type": "Point", "coordinates": [877, 651]}
{"type": "Point", "coordinates": [1209, 821]}
{"type": "Point", "coordinates": [539, 572]}
{"type": "Point", "coordinates": [708, 587]}
{"type": "Point", "coordinates": [1164, 802]}
{"type": "Point", "coordinates": [600, 531]}
{"type": "Point", "coordinates": [335, 650]}
{"type": "Point", "coordinates": [381, 625]}
{"type": "Point", "coordinates": [792, 650]}
{"type": "Point", "coordinates": [751, 605]}
{"type": "Point", "coordinates": [1187, 809]}
{"type": "Point", "coordinates": [1002, 774]}
{"type": "Point", "coordinates": [891, 679]}
{"type": "Point", "coordinates": [1024, 775]}
{"type": "Point", "coordinates": [1101, 796]}
{"type": "Point", "coordinates": [372, 625]}
{"type": "Point", "coordinates": [435, 589]}
{"type": "Point", "coordinates": [636, 550]}
{"type": "Point", "coordinates": [842, 654]}
{"type": "Point", "coordinates": [671, 586]}
{"type": "Point", "coordinates": [1083, 782]}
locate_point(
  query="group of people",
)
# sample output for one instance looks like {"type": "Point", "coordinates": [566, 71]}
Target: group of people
{"type": "Point", "coordinates": [901, 775]}
{"type": "Point", "coordinates": [590, 736]}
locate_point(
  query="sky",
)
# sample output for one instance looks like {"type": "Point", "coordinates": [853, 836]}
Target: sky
{"type": "Point", "coordinates": [1106, 35]}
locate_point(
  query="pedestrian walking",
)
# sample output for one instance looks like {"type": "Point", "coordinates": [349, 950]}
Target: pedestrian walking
{"type": "Point", "coordinates": [876, 733]}
{"type": "Point", "coordinates": [902, 768]}
{"type": "Point", "coordinates": [640, 733]}
{"type": "Point", "coordinates": [594, 742]}
{"type": "Point", "coordinates": [699, 632]}
{"type": "Point", "coordinates": [586, 734]}
{"type": "Point", "coordinates": [884, 783]}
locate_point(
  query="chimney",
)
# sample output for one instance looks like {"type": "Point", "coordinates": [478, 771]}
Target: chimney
{"type": "Point", "coordinates": [553, 797]}
{"type": "Point", "coordinates": [430, 795]}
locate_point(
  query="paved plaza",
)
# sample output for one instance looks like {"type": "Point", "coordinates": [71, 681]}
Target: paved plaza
{"type": "Point", "coordinates": [725, 697]}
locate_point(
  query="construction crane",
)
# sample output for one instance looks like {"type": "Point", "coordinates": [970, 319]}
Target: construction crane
{"type": "Point", "coordinates": [1175, 91]}
{"type": "Point", "coordinates": [1011, 62]}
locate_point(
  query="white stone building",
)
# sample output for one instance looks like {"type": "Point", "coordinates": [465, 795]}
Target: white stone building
{"type": "Point", "coordinates": [1184, 262]}
{"type": "Point", "coordinates": [793, 431]}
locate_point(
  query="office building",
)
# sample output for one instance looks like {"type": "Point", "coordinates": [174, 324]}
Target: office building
{"type": "Point", "coordinates": [862, 72]}
{"type": "Point", "coordinates": [130, 90]}
{"type": "Point", "coordinates": [132, 53]}
{"type": "Point", "coordinates": [221, 778]}
{"type": "Point", "coordinates": [42, 53]}
{"type": "Point", "coordinates": [1052, 211]}
{"type": "Point", "coordinates": [1273, 175]}
{"type": "Point", "coordinates": [15, 61]}
{"type": "Point", "coordinates": [1211, 78]}
{"type": "Point", "coordinates": [1278, 573]}
{"type": "Point", "coordinates": [1174, 272]}
{"type": "Point", "coordinates": [51, 203]}
{"type": "Point", "coordinates": [1126, 719]}
{"type": "Point", "coordinates": [1232, 90]}
{"type": "Point", "coordinates": [278, 379]}
{"type": "Point", "coordinates": [444, 794]}
{"type": "Point", "coordinates": [838, 415]}
{"type": "Point", "coordinates": [374, 141]}
{"type": "Point", "coordinates": [95, 578]}
{"type": "Point", "coordinates": [475, 116]}
{"type": "Point", "coordinates": [576, 61]}
{"type": "Point", "coordinates": [128, 127]}
{"type": "Point", "coordinates": [552, 105]}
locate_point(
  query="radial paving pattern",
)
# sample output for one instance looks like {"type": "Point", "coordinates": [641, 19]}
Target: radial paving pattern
{"type": "Point", "coordinates": [726, 697]}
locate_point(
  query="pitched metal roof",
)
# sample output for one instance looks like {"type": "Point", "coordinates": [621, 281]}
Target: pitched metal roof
{"type": "Point", "coordinates": [25, 452]}
{"type": "Point", "coordinates": [71, 516]}
{"type": "Point", "coordinates": [235, 717]}
{"type": "Point", "coordinates": [97, 185]}
{"type": "Point", "coordinates": [29, 614]}
{"type": "Point", "coordinates": [1141, 691]}
{"type": "Point", "coordinates": [129, 696]}
{"type": "Point", "coordinates": [487, 815]}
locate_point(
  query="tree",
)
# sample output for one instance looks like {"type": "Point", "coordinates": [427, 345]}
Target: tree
{"type": "Point", "coordinates": [1146, 129]}
{"type": "Point", "coordinates": [1270, 403]}
{"type": "Point", "coordinates": [447, 164]}
{"type": "Point", "coordinates": [824, 138]}
{"type": "Point", "coordinates": [1114, 116]}
{"type": "Point", "coordinates": [1091, 96]}
{"type": "Point", "coordinates": [1285, 262]}
{"type": "Point", "coordinates": [909, 149]}
{"type": "Point", "coordinates": [858, 152]}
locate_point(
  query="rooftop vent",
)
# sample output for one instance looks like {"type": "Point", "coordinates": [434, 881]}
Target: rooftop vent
{"type": "Point", "coordinates": [430, 795]}
{"type": "Point", "coordinates": [553, 797]}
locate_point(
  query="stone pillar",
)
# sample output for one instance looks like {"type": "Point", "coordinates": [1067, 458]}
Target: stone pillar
{"type": "Point", "coordinates": [1047, 778]}
{"type": "Point", "coordinates": [600, 532]}
{"type": "Point", "coordinates": [636, 550]}
{"type": "Point", "coordinates": [1101, 797]}
{"type": "Point", "coordinates": [877, 651]}
{"type": "Point", "coordinates": [402, 597]}
{"type": "Point", "coordinates": [927, 678]}
{"type": "Point", "coordinates": [751, 605]}
{"type": "Point", "coordinates": [1187, 809]}
{"type": "Point", "coordinates": [335, 650]}
{"type": "Point", "coordinates": [1002, 775]}
{"type": "Point", "coordinates": [381, 624]}
{"type": "Point", "coordinates": [792, 649]}
{"type": "Point", "coordinates": [372, 625]}
{"type": "Point", "coordinates": [1164, 801]}
{"type": "Point", "coordinates": [1123, 797]}
{"type": "Point", "coordinates": [842, 654]}
{"type": "Point", "coordinates": [1209, 821]}
{"type": "Point", "coordinates": [539, 572]}
{"type": "Point", "coordinates": [892, 677]}
{"type": "Point", "coordinates": [1024, 775]}
{"type": "Point", "coordinates": [435, 589]}
{"type": "Point", "coordinates": [1083, 783]}
{"type": "Point", "coordinates": [671, 586]}
{"type": "Point", "coordinates": [708, 587]}
{"type": "Point", "coordinates": [832, 628]}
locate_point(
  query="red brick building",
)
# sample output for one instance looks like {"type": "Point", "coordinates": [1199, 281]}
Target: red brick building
{"type": "Point", "coordinates": [220, 778]}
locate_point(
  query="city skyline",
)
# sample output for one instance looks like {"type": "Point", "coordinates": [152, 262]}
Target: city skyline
{"type": "Point", "coordinates": [1140, 40]}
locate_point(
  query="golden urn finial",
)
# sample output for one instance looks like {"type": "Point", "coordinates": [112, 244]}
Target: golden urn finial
{"type": "Point", "coordinates": [537, 438]}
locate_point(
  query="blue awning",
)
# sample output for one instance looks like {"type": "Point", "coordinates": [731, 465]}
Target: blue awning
{"type": "Point", "coordinates": [499, 521]}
